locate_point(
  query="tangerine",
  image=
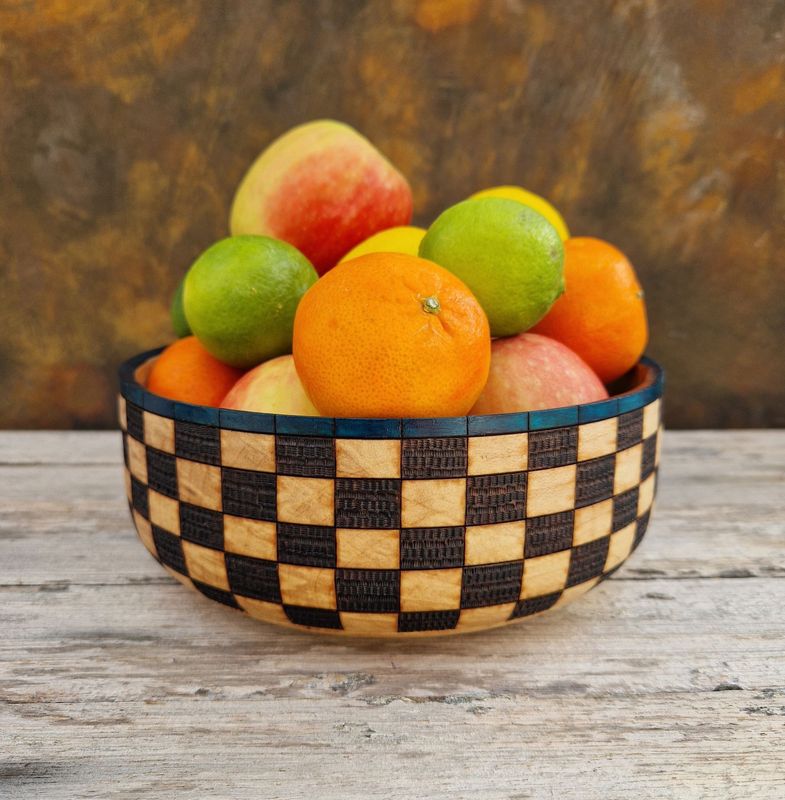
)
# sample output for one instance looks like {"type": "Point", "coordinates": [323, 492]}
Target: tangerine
{"type": "Point", "coordinates": [185, 371]}
{"type": "Point", "coordinates": [391, 335]}
{"type": "Point", "coordinates": [602, 313]}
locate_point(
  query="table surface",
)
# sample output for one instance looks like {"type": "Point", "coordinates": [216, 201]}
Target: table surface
{"type": "Point", "coordinates": [666, 681]}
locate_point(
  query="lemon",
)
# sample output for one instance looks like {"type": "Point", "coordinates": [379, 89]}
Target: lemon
{"type": "Point", "coordinates": [531, 200]}
{"type": "Point", "coordinates": [402, 239]}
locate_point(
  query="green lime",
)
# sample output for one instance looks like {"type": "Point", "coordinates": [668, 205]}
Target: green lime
{"type": "Point", "coordinates": [177, 313]}
{"type": "Point", "coordinates": [509, 255]}
{"type": "Point", "coordinates": [240, 297]}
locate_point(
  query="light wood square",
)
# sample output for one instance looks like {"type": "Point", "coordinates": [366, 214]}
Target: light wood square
{"type": "Point", "coordinates": [360, 624]}
{"type": "Point", "coordinates": [145, 531]}
{"type": "Point", "coordinates": [180, 578]}
{"type": "Point", "coordinates": [651, 418]}
{"type": "Point", "coordinates": [431, 589]}
{"type": "Point", "coordinates": [432, 504]}
{"type": "Point", "coordinates": [127, 482]}
{"type": "Point", "coordinates": [574, 592]}
{"type": "Point", "coordinates": [368, 458]}
{"type": "Point", "coordinates": [250, 537]}
{"type": "Point", "coordinates": [137, 459]}
{"type": "Point", "coordinates": [307, 501]}
{"type": "Point", "coordinates": [549, 491]}
{"type": "Point", "coordinates": [368, 549]}
{"type": "Point", "coordinates": [628, 469]}
{"type": "Point", "coordinates": [592, 522]}
{"type": "Point", "coordinates": [159, 432]}
{"type": "Point", "coordinates": [486, 617]}
{"type": "Point", "coordinates": [545, 574]}
{"type": "Point", "coordinates": [489, 544]}
{"type": "Point", "coordinates": [620, 546]}
{"type": "Point", "coordinates": [597, 439]}
{"type": "Point", "coordinates": [164, 511]}
{"type": "Point", "coordinates": [121, 412]}
{"type": "Point", "coordinates": [243, 450]}
{"type": "Point", "coordinates": [646, 495]}
{"type": "Point", "coordinates": [206, 565]}
{"type": "Point", "coordinates": [261, 609]}
{"type": "Point", "coordinates": [199, 484]}
{"type": "Point", "coordinates": [489, 455]}
{"type": "Point", "coordinates": [307, 586]}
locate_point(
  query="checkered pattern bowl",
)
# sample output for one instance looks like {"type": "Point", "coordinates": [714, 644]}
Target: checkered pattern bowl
{"type": "Point", "coordinates": [391, 527]}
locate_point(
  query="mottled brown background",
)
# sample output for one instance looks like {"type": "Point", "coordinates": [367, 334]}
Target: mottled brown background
{"type": "Point", "coordinates": [124, 127]}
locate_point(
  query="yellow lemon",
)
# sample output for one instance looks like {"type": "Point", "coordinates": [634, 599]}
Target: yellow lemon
{"type": "Point", "coordinates": [528, 199]}
{"type": "Point", "coordinates": [403, 239]}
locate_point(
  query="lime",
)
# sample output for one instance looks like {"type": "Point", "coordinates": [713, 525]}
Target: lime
{"type": "Point", "coordinates": [401, 239]}
{"type": "Point", "coordinates": [240, 297]}
{"type": "Point", "coordinates": [528, 199]}
{"type": "Point", "coordinates": [177, 313]}
{"type": "Point", "coordinates": [509, 255]}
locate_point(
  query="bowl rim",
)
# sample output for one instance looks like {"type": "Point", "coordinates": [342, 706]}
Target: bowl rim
{"type": "Point", "coordinates": [647, 376]}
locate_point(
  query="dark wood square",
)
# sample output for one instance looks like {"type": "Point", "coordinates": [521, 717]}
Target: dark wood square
{"type": "Point", "coordinates": [523, 608]}
{"type": "Point", "coordinates": [305, 456]}
{"type": "Point", "coordinates": [162, 472]}
{"type": "Point", "coordinates": [549, 533]}
{"type": "Point", "coordinates": [649, 456]}
{"type": "Point", "coordinates": [134, 421]}
{"type": "Point", "coordinates": [219, 595]}
{"type": "Point", "coordinates": [371, 590]}
{"type": "Point", "coordinates": [201, 525]}
{"type": "Point", "coordinates": [313, 617]}
{"type": "Point", "coordinates": [410, 621]}
{"type": "Point", "coordinates": [169, 549]}
{"type": "Point", "coordinates": [139, 499]}
{"type": "Point", "coordinates": [256, 578]}
{"type": "Point", "coordinates": [197, 442]}
{"type": "Point", "coordinates": [495, 498]}
{"type": "Point", "coordinates": [306, 545]}
{"type": "Point", "coordinates": [640, 528]}
{"type": "Point", "coordinates": [630, 429]}
{"type": "Point", "coordinates": [553, 448]}
{"type": "Point", "coordinates": [491, 584]}
{"type": "Point", "coordinates": [247, 493]}
{"type": "Point", "coordinates": [367, 503]}
{"type": "Point", "coordinates": [587, 561]}
{"type": "Point", "coordinates": [125, 449]}
{"type": "Point", "coordinates": [625, 508]}
{"type": "Point", "coordinates": [435, 457]}
{"type": "Point", "coordinates": [594, 480]}
{"type": "Point", "coordinates": [432, 548]}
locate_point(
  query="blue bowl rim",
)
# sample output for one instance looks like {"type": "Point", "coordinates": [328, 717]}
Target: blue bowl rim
{"type": "Point", "coordinates": [649, 383]}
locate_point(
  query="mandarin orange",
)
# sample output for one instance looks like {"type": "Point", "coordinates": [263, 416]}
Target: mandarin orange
{"type": "Point", "coordinates": [391, 335]}
{"type": "Point", "coordinates": [185, 371]}
{"type": "Point", "coordinates": [602, 313]}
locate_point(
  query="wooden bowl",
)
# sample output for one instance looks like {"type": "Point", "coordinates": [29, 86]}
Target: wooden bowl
{"type": "Point", "coordinates": [391, 527]}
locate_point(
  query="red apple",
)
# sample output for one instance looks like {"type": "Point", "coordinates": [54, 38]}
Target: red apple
{"type": "Point", "coordinates": [323, 188]}
{"type": "Point", "coordinates": [531, 372]}
{"type": "Point", "coordinates": [273, 387]}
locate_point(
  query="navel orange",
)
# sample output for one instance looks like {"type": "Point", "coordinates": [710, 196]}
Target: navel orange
{"type": "Point", "coordinates": [185, 371]}
{"type": "Point", "coordinates": [602, 314]}
{"type": "Point", "coordinates": [391, 335]}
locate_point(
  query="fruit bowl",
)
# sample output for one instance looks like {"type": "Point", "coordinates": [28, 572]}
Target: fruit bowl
{"type": "Point", "coordinates": [391, 527]}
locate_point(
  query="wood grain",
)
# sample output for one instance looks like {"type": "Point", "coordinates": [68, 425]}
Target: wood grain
{"type": "Point", "coordinates": [668, 681]}
{"type": "Point", "coordinates": [126, 126]}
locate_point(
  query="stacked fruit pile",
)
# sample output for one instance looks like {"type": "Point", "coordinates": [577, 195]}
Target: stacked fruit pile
{"type": "Point", "coordinates": [324, 300]}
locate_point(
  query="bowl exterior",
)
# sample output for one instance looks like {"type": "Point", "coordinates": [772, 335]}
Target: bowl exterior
{"type": "Point", "coordinates": [391, 527]}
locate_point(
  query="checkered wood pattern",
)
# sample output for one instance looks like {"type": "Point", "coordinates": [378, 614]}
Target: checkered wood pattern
{"type": "Point", "coordinates": [385, 536]}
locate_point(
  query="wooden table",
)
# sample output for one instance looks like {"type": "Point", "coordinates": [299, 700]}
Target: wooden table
{"type": "Point", "coordinates": [668, 681]}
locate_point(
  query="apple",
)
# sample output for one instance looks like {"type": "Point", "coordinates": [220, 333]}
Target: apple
{"type": "Point", "coordinates": [531, 372]}
{"type": "Point", "coordinates": [273, 387]}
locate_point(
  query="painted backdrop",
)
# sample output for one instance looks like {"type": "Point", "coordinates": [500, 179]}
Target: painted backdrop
{"type": "Point", "coordinates": [124, 127]}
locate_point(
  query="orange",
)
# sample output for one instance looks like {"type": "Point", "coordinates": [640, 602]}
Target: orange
{"type": "Point", "coordinates": [602, 314]}
{"type": "Point", "coordinates": [185, 371]}
{"type": "Point", "coordinates": [391, 335]}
